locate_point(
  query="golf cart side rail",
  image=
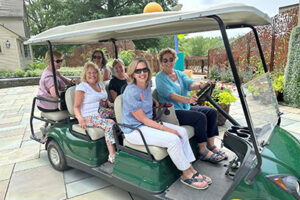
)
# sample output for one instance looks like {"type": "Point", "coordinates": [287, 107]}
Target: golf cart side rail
{"type": "Point", "coordinates": [255, 171]}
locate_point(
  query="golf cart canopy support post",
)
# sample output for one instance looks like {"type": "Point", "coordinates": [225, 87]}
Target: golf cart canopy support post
{"type": "Point", "coordinates": [115, 46]}
{"type": "Point", "coordinates": [255, 171]}
{"type": "Point", "coordinates": [53, 68]}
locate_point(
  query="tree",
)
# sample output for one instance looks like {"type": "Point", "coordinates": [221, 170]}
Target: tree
{"type": "Point", "coordinates": [46, 14]}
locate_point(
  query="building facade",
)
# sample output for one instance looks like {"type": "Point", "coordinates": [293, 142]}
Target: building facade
{"type": "Point", "coordinates": [14, 30]}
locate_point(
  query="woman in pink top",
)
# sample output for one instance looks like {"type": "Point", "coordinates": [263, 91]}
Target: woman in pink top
{"type": "Point", "coordinates": [47, 89]}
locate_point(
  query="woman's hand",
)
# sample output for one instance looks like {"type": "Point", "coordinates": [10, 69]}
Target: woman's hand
{"type": "Point", "coordinates": [210, 82]}
{"type": "Point", "coordinates": [171, 131]}
{"type": "Point", "coordinates": [110, 104]}
{"type": "Point", "coordinates": [75, 81]}
{"type": "Point", "coordinates": [82, 123]}
{"type": "Point", "coordinates": [192, 100]}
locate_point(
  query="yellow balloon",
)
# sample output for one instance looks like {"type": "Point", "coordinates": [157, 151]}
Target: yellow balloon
{"type": "Point", "coordinates": [152, 7]}
{"type": "Point", "coordinates": [180, 36]}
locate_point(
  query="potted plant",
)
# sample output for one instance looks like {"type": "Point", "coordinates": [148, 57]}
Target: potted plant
{"type": "Point", "coordinates": [278, 81]}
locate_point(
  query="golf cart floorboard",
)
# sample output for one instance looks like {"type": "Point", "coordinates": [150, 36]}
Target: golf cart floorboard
{"type": "Point", "coordinates": [220, 183]}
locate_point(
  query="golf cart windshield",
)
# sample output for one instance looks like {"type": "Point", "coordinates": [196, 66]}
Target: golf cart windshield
{"type": "Point", "coordinates": [263, 107]}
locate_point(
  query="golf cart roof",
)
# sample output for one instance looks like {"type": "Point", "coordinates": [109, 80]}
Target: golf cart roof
{"type": "Point", "coordinates": [150, 25]}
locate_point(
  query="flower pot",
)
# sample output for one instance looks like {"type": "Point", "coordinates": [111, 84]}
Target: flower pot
{"type": "Point", "coordinates": [279, 96]}
{"type": "Point", "coordinates": [221, 118]}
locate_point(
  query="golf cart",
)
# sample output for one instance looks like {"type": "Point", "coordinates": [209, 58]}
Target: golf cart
{"type": "Point", "coordinates": [264, 158]}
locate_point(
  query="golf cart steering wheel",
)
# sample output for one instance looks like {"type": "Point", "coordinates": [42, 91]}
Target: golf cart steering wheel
{"type": "Point", "coordinates": [204, 92]}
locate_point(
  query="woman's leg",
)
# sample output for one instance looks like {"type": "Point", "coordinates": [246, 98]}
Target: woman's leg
{"type": "Point", "coordinates": [107, 125]}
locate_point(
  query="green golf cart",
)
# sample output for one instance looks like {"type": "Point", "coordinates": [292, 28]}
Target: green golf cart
{"type": "Point", "coordinates": [264, 159]}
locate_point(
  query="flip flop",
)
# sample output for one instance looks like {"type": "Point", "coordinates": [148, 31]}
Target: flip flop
{"type": "Point", "coordinates": [212, 159]}
{"type": "Point", "coordinates": [205, 178]}
{"type": "Point", "coordinates": [220, 152]}
{"type": "Point", "coordinates": [189, 182]}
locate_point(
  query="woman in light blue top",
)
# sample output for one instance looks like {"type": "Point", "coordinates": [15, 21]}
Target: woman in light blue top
{"type": "Point", "coordinates": [137, 112]}
{"type": "Point", "coordinates": [172, 87]}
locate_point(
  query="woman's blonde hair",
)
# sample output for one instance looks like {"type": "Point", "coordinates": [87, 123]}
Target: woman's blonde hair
{"type": "Point", "coordinates": [56, 54]}
{"type": "Point", "coordinates": [132, 66]}
{"type": "Point", "coordinates": [85, 69]}
{"type": "Point", "coordinates": [165, 51]}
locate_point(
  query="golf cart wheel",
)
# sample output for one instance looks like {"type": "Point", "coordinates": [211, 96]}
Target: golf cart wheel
{"type": "Point", "coordinates": [56, 156]}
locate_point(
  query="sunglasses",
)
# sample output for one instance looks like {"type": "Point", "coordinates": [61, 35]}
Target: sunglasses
{"type": "Point", "coordinates": [59, 61]}
{"type": "Point", "coordinates": [138, 71]}
{"type": "Point", "coordinates": [165, 60]}
{"type": "Point", "coordinates": [98, 57]}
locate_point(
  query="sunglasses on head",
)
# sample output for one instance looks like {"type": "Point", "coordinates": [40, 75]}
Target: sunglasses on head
{"type": "Point", "coordinates": [59, 60]}
{"type": "Point", "coordinates": [138, 71]}
{"type": "Point", "coordinates": [165, 60]}
{"type": "Point", "coordinates": [98, 57]}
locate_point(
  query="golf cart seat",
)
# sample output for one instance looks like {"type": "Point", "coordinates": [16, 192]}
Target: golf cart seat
{"type": "Point", "coordinates": [158, 153]}
{"type": "Point", "coordinates": [55, 116]}
{"type": "Point", "coordinates": [94, 133]}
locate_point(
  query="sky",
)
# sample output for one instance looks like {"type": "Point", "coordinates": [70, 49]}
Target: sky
{"type": "Point", "coordinates": [270, 7]}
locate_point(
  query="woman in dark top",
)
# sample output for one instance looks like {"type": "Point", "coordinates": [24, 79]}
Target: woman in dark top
{"type": "Point", "coordinates": [118, 80]}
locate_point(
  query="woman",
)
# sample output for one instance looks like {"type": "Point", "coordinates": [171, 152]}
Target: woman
{"type": "Point", "coordinates": [137, 112]}
{"type": "Point", "coordinates": [99, 59]}
{"type": "Point", "coordinates": [90, 96]}
{"type": "Point", "coordinates": [119, 80]}
{"type": "Point", "coordinates": [47, 89]}
{"type": "Point", "coordinates": [172, 87]}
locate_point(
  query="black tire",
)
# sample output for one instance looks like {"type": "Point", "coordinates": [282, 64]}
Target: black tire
{"type": "Point", "coordinates": [56, 156]}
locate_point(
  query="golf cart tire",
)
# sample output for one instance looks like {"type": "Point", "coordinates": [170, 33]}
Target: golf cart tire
{"type": "Point", "coordinates": [56, 156]}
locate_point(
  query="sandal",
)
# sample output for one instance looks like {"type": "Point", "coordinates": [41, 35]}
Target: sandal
{"type": "Point", "coordinates": [220, 152]}
{"type": "Point", "coordinates": [189, 182]}
{"type": "Point", "coordinates": [111, 159]}
{"type": "Point", "coordinates": [213, 158]}
{"type": "Point", "coordinates": [205, 178]}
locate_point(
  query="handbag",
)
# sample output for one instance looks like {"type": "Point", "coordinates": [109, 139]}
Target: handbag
{"type": "Point", "coordinates": [106, 112]}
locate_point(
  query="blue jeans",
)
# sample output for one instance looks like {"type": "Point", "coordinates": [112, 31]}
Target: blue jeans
{"type": "Point", "coordinates": [203, 119]}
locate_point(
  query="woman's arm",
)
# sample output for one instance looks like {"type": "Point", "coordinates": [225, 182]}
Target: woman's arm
{"type": "Point", "coordinates": [79, 97]}
{"type": "Point", "coordinates": [113, 94]}
{"type": "Point", "coordinates": [190, 100]}
{"type": "Point", "coordinates": [140, 116]}
{"type": "Point", "coordinates": [53, 93]}
{"type": "Point", "coordinates": [197, 86]}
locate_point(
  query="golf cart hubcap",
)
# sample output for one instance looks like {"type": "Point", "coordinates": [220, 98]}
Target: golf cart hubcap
{"type": "Point", "coordinates": [54, 156]}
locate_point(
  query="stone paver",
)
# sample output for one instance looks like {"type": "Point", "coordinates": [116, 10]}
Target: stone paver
{"type": "Point", "coordinates": [42, 183]}
{"type": "Point", "coordinates": [25, 172]}
{"type": "Point", "coordinates": [5, 171]}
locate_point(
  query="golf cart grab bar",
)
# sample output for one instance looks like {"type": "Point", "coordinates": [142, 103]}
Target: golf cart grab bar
{"type": "Point", "coordinates": [148, 155]}
{"type": "Point", "coordinates": [254, 172]}
{"type": "Point", "coordinates": [53, 68]}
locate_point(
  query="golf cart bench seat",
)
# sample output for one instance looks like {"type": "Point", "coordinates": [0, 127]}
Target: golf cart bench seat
{"type": "Point", "coordinates": [55, 116]}
{"type": "Point", "coordinates": [158, 153]}
{"type": "Point", "coordinates": [94, 133]}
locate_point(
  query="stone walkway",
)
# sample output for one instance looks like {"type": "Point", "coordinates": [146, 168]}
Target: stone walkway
{"type": "Point", "coordinates": [25, 172]}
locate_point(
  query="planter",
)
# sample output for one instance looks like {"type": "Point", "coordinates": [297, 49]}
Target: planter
{"type": "Point", "coordinates": [221, 118]}
{"type": "Point", "coordinates": [279, 96]}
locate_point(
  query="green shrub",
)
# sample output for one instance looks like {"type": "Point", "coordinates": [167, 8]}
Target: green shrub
{"type": "Point", "coordinates": [292, 72]}
{"type": "Point", "coordinates": [126, 56]}
{"type": "Point", "coordinates": [19, 73]}
{"type": "Point", "coordinates": [38, 63]}
{"type": "Point", "coordinates": [71, 71]}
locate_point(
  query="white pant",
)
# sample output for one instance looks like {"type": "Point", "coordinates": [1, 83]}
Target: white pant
{"type": "Point", "coordinates": [179, 149]}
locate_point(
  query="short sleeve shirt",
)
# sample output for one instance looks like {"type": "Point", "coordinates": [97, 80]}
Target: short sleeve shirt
{"type": "Point", "coordinates": [165, 87]}
{"type": "Point", "coordinates": [46, 82]}
{"type": "Point", "coordinates": [116, 85]}
{"type": "Point", "coordinates": [135, 98]}
{"type": "Point", "coordinates": [91, 99]}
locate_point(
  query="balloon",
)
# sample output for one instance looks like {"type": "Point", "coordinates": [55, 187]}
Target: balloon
{"type": "Point", "coordinates": [180, 36]}
{"type": "Point", "coordinates": [152, 7]}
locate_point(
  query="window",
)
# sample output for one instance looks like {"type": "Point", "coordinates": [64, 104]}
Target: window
{"type": "Point", "coordinates": [27, 51]}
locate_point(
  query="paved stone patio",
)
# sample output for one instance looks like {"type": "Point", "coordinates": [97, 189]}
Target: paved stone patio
{"type": "Point", "coordinates": [25, 172]}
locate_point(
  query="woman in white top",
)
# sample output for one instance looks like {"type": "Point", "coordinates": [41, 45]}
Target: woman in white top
{"type": "Point", "coordinates": [90, 97]}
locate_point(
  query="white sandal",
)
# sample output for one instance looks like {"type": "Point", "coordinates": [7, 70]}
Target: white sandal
{"type": "Point", "coordinates": [111, 159]}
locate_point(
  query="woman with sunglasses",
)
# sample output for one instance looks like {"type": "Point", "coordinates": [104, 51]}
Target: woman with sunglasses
{"type": "Point", "coordinates": [172, 87]}
{"type": "Point", "coordinates": [99, 59]}
{"type": "Point", "coordinates": [47, 89]}
{"type": "Point", "coordinates": [137, 112]}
